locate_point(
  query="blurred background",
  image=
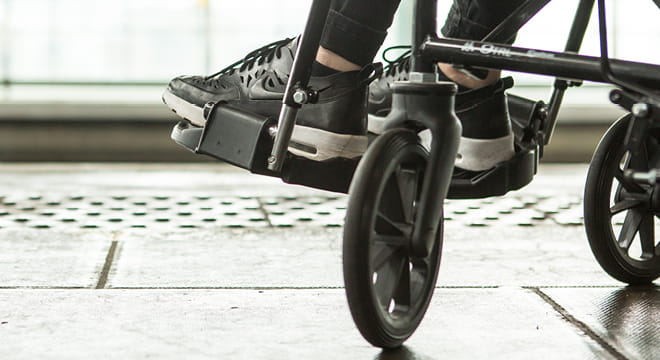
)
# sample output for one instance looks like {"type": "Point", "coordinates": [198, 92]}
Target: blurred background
{"type": "Point", "coordinates": [81, 80]}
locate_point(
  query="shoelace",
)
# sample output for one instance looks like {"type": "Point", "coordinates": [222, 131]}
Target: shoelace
{"type": "Point", "coordinates": [263, 54]}
{"type": "Point", "coordinates": [401, 63]}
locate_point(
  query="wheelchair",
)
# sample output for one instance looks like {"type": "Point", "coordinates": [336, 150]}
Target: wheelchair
{"type": "Point", "coordinates": [393, 232]}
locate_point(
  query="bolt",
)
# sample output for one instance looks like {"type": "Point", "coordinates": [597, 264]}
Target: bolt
{"type": "Point", "coordinates": [271, 159]}
{"type": "Point", "coordinates": [615, 97]}
{"type": "Point", "coordinates": [300, 96]}
{"type": "Point", "coordinates": [640, 110]}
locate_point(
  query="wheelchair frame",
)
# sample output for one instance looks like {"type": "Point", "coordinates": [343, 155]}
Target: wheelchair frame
{"type": "Point", "coordinates": [246, 139]}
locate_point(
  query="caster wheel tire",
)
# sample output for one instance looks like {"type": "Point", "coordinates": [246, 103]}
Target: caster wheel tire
{"type": "Point", "coordinates": [619, 216]}
{"type": "Point", "coordinates": [388, 288]}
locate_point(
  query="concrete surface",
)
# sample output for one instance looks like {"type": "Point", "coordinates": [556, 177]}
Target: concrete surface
{"type": "Point", "coordinates": [205, 261]}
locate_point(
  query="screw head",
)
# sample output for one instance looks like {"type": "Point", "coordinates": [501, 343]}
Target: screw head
{"type": "Point", "coordinates": [615, 97]}
{"type": "Point", "coordinates": [300, 96]}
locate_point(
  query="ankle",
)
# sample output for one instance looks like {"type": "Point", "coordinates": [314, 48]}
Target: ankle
{"type": "Point", "coordinates": [333, 61]}
{"type": "Point", "coordinates": [466, 80]}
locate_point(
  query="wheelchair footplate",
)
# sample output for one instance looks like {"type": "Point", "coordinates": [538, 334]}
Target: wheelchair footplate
{"type": "Point", "coordinates": [515, 173]}
{"type": "Point", "coordinates": [245, 139]}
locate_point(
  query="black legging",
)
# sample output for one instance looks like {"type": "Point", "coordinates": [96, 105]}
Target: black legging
{"type": "Point", "coordinates": [355, 29]}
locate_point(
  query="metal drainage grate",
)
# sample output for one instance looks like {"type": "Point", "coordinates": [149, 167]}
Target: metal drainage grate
{"type": "Point", "coordinates": [202, 211]}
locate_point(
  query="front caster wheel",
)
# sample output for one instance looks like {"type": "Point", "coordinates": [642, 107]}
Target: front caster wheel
{"type": "Point", "coordinates": [619, 215]}
{"type": "Point", "coordinates": [388, 288]}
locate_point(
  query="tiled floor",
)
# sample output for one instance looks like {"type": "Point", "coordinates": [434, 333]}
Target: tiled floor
{"type": "Point", "coordinates": [204, 261]}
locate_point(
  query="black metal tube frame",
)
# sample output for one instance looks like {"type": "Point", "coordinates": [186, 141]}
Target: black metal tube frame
{"type": "Point", "coordinates": [298, 80]}
{"type": "Point", "coordinates": [564, 66]}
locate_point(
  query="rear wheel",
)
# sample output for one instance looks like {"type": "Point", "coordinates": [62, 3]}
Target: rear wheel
{"type": "Point", "coordinates": [619, 215]}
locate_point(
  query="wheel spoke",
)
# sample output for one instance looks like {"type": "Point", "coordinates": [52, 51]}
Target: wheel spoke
{"type": "Point", "coordinates": [381, 254]}
{"type": "Point", "coordinates": [383, 219]}
{"type": "Point", "coordinates": [402, 295]}
{"type": "Point", "coordinates": [390, 202]}
{"type": "Point", "coordinates": [418, 276]}
{"type": "Point", "coordinates": [407, 180]}
{"type": "Point", "coordinates": [388, 280]}
{"type": "Point", "coordinates": [627, 184]}
{"type": "Point", "coordinates": [629, 229]}
{"type": "Point", "coordinates": [647, 236]}
{"type": "Point", "coordinates": [624, 205]}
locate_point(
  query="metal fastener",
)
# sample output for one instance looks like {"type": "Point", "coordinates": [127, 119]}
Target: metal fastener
{"type": "Point", "coordinates": [640, 110]}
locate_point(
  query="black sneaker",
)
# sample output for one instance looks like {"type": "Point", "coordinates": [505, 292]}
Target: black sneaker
{"type": "Point", "coordinates": [259, 77]}
{"type": "Point", "coordinates": [333, 127]}
{"type": "Point", "coordinates": [380, 94]}
{"type": "Point", "coordinates": [483, 143]}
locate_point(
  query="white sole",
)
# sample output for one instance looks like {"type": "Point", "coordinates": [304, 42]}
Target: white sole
{"type": "Point", "coordinates": [307, 142]}
{"type": "Point", "coordinates": [473, 154]}
{"type": "Point", "coordinates": [483, 154]}
{"type": "Point", "coordinates": [184, 109]}
{"type": "Point", "coordinates": [320, 145]}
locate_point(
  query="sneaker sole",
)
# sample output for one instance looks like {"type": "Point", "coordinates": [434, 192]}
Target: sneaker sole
{"type": "Point", "coordinates": [321, 145]}
{"type": "Point", "coordinates": [483, 154]}
{"type": "Point", "coordinates": [473, 154]}
{"type": "Point", "coordinates": [307, 142]}
{"type": "Point", "coordinates": [191, 112]}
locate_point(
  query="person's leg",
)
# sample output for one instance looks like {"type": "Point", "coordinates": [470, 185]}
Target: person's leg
{"type": "Point", "coordinates": [354, 32]}
{"type": "Point", "coordinates": [487, 138]}
{"type": "Point", "coordinates": [473, 20]}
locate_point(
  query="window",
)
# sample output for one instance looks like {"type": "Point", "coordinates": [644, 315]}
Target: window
{"type": "Point", "coordinates": [146, 42]}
